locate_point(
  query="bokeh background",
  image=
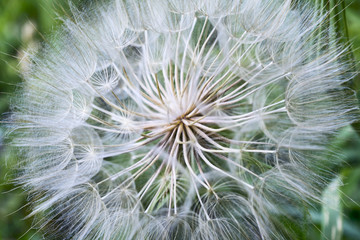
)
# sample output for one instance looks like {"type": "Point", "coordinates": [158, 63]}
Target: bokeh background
{"type": "Point", "coordinates": [25, 24]}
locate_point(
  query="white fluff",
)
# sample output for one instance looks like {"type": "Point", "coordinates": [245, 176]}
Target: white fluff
{"type": "Point", "coordinates": [173, 119]}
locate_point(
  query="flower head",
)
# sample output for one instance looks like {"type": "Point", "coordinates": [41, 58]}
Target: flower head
{"type": "Point", "coordinates": [173, 119]}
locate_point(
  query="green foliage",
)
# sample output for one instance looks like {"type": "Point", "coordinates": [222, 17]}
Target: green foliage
{"type": "Point", "coordinates": [332, 219]}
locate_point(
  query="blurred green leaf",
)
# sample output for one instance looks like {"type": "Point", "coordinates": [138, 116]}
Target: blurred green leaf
{"type": "Point", "coordinates": [332, 219]}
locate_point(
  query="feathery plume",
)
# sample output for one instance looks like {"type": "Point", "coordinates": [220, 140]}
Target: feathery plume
{"type": "Point", "coordinates": [169, 119]}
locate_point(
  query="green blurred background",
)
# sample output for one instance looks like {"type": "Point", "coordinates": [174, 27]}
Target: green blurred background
{"type": "Point", "coordinates": [23, 24]}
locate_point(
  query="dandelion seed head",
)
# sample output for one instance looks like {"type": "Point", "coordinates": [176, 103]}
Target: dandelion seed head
{"type": "Point", "coordinates": [179, 119]}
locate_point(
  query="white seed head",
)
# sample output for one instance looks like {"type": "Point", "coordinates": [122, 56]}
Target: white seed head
{"type": "Point", "coordinates": [172, 119]}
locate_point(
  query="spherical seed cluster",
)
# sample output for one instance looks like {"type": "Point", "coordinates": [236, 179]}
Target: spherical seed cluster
{"type": "Point", "coordinates": [169, 119]}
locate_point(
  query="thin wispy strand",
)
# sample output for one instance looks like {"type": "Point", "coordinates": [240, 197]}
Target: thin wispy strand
{"type": "Point", "coordinates": [169, 119]}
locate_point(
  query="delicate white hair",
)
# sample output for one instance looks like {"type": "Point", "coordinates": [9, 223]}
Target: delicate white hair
{"type": "Point", "coordinates": [180, 119]}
